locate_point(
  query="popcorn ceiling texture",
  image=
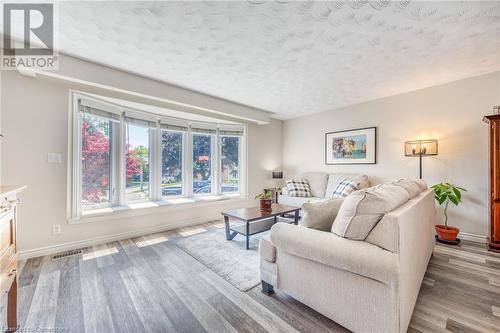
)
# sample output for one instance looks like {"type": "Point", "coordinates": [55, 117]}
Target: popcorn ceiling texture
{"type": "Point", "coordinates": [291, 58]}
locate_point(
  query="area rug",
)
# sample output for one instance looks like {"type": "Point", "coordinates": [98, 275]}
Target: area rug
{"type": "Point", "coordinates": [228, 259]}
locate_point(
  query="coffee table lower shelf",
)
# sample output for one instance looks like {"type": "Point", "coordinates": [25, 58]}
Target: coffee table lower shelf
{"type": "Point", "coordinates": [253, 221]}
{"type": "Point", "coordinates": [252, 228]}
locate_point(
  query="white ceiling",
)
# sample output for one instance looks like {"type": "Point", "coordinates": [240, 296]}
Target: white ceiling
{"type": "Point", "coordinates": [290, 58]}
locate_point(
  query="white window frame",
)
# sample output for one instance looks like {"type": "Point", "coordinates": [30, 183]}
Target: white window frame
{"type": "Point", "coordinates": [240, 158]}
{"type": "Point", "coordinates": [118, 165]}
{"type": "Point", "coordinates": [183, 166]}
{"type": "Point", "coordinates": [213, 165]}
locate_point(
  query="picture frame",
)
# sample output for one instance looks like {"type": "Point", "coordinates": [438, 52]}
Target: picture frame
{"type": "Point", "coordinates": [354, 146]}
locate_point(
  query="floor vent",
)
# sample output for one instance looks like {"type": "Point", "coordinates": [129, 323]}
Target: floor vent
{"type": "Point", "coordinates": [66, 254]}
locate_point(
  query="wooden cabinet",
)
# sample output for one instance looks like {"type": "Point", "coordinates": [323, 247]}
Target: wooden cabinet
{"type": "Point", "coordinates": [8, 251]}
{"type": "Point", "coordinates": [494, 165]}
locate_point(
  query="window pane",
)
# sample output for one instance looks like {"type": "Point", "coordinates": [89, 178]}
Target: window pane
{"type": "Point", "coordinates": [96, 162]}
{"type": "Point", "coordinates": [202, 163]}
{"type": "Point", "coordinates": [171, 163]}
{"type": "Point", "coordinates": [230, 147]}
{"type": "Point", "coordinates": [137, 163]}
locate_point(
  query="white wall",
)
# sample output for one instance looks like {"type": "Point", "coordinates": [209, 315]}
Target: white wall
{"type": "Point", "coordinates": [451, 113]}
{"type": "Point", "coordinates": [35, 122]}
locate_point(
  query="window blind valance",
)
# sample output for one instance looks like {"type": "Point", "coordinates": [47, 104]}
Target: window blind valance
{"type": "Point", "coordinates": [110, 116]}
{"type": "Point", "coordinates": [174, 127]}
{"type": "Point", "coordinates": [140, 122]}
{"type": "Point", "coordinates": [203, 130]}
{"type": "Point", "coordinates": [232, 132]}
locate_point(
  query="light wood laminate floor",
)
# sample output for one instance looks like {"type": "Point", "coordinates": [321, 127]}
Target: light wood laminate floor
{"type": "Point", "coordinates": [147, 284]}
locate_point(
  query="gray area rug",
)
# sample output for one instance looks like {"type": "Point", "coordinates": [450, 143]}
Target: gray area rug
{"type": "Point", "coordinates": [228, 259]}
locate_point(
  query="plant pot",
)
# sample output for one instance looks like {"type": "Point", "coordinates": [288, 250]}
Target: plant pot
{"type": "Point", "coordinates": [265, 205]}
{"type": "Point", "coordinates": [446, 233]}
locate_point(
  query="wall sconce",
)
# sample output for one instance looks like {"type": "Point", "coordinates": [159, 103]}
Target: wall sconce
{"type": "Point", "coordinates": [420, 148]}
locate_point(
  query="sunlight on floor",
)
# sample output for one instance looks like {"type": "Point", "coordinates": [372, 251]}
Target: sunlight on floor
{"type": "Point", "coordinates": [218, 225]}
{"type": "Point", "coordinates": [151, 241]}
{"type": "Point", "coordinates": [190, 232]}
{"type": "Point", "coordinates": [99, 253]}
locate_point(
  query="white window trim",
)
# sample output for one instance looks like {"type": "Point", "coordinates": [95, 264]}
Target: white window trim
{"type": "Point", "coordinates": [118, 203]}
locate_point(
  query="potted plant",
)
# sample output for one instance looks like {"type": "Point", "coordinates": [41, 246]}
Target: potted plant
{"type": "Point", "coordinates": [444, 194]}
{"type": "Point", "coordinates": [266, 200]}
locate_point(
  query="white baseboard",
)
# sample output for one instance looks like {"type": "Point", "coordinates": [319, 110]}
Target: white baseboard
{"type": "Point", "coordinates": [43, 251]}
{"type": "Point", "coordinates": [472, 237]}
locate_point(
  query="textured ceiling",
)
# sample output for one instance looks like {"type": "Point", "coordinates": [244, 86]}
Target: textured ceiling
{"type": "Point", "coordinates": [291, 58]}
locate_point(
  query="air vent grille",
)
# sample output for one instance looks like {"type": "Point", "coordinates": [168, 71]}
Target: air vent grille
{"type": "Point", "coordinates": [66, 254]}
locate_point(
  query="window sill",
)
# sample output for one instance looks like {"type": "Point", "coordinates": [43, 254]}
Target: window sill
{"type": "Point", "coordinates": [149, 207]}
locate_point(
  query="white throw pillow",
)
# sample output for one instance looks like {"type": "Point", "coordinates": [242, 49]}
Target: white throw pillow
{"type": "Point", "coordinates": [409, 185]}
{"type": "Point", "coordinates": [320, 215]}
{"type": "Point", "coordinates": [421, 183]}
{"type": "Point", "coordinates": [298, 188]}
{"type": "Point", "coordinates": [362, 210]}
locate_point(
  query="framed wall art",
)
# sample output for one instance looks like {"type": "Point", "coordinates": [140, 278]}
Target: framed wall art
{"type": "Point", "coordinates": [357, 146]}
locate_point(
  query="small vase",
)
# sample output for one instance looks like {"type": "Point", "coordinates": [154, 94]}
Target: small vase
{"type": "Point", "coordinates": [265, 205]}
{"type": "Point", "coordinates": [447, 233]}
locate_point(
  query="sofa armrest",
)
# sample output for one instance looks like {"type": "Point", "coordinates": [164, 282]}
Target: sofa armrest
{"type": "Point", "coordinates": [358, 257]}
{"type": "Point", "coordinates": [267, 251]}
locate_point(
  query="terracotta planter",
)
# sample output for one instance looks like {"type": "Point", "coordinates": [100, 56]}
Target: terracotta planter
{"type": "Point", "coordinates": [265, 205]}
{"type": "Point", "coordinates": [446, 233]}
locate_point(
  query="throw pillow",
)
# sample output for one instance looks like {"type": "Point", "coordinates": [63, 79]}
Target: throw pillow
{"type": "Point", "coordinates": [298, 188]}
{"type": "Point", "coordinates": [345, 187]}
{"type": "Point", "coordinates": [421, 183]}
{"type": "Point", "coordinates": [409, 185]}
{"type": "Point", "coordinates": [362, 210]}
{"type": "Point", "coordinates": [320, 215]}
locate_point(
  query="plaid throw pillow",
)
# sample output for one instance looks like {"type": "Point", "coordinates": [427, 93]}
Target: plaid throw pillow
{"type": "Point", "coordinates": [344, 188]}
{"type": "Point", "coordinates": [298, 188]}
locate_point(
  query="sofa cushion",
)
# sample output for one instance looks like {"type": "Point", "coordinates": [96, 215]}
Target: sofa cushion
{"type": "Point", "coordinates": [317, 182]}
{"type": "Point", "coordinates": [267, 251]}
{"type": "Point", "coordinates": [298, 188]}
{"type": "Point", "coordinates": [409, 185]}
{"type": "Point", "coordinates": [361, 258]}
{"type": "Point", "coordinates": [421, 183]}
{"type": "Point", "coordinates": [362, 210]}
{"type": "Point", "coordinates": [335, 179]}
{"type": "Point", "coordinates": [296, 201]}
{"type": "Point", "coordinates": [386, 232]}
{"type": "Point", "coordinates": [320, 215]}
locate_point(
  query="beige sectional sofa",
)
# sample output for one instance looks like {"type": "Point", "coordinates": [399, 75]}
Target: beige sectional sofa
{"type": "Point", "coordinates": [322, 187]}
{"type": "Point", "coordinates": [368, 285]}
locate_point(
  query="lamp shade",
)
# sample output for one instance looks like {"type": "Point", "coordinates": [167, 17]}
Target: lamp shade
{"type": "Point", "coordinates": [277, 174]}
{"type": "Point", "coordinates": [421, 148]}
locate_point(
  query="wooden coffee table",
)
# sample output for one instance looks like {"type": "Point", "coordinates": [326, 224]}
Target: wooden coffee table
{"type": "Point", "coordinates": [256, 221]}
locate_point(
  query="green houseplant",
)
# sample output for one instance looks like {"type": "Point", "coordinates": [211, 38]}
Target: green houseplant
{"type": "Point", "coordinates": [444, 193]}
{"type": "Point", "coordinates": [266, 200]}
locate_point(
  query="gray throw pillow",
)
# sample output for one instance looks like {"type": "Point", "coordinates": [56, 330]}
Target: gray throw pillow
{"type": "Point", "coordinates": [409, 185]}
{"type": "Point", "coordinates": [320, 215]}
{"type": "Point", "coordinates": [362, 210]}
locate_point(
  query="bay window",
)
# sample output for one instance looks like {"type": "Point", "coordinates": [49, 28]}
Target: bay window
{"type": "Point", "coordinates": [230, 161]}
{"type": "Point", "coordinates": [202, 160]}
{"type": "Point", "coordinates": [96, 166]}
{"type": "Point", "coordinates": [137, 157]}
{"type": "Point", "coordinates": [125, 158]}
{"type": "Point", "coordinates": [172, 161]}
